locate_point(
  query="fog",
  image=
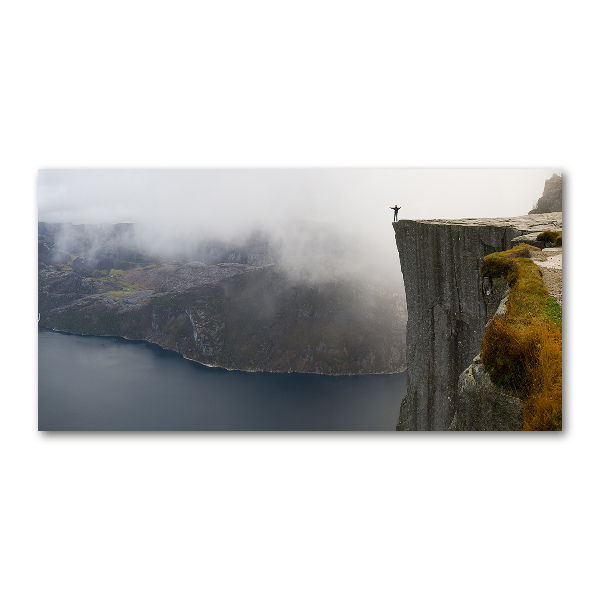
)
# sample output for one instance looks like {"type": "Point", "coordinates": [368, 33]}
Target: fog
{"type": "Point", "coordinates": [173, 209]}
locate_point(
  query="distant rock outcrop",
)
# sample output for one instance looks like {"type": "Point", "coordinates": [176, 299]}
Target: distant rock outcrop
{"type": "Point", "coordinates": [551, 198]}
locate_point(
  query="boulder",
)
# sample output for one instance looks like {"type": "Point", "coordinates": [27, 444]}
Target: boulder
{"type": "Point", "coordinates": [482, 405]}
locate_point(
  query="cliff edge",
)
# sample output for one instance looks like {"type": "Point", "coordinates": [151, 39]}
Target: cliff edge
{"type": "Point", "coordinates": [449, 305]}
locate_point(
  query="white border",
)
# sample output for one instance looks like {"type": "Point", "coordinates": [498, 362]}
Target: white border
{"type": "Point", "coordinates": [314, 84]}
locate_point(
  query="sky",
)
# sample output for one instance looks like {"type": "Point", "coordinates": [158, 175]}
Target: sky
{"type": "Point", "coordinates": [173, 204]}
{"type": "Point", "coordinates": [223, 198]}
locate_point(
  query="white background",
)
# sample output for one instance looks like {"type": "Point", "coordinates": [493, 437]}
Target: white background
{"type": "Point", "coordinates": [197, 84]}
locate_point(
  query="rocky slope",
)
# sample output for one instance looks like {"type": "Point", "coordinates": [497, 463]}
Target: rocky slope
{"type": "Point", "coordinates": [449, 305]}
{"type": "Point", "coordinates": [314, 316]}
{"type": "Point", "coordinates": [551, 198]}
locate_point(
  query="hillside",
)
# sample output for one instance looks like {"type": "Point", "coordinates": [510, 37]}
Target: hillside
{"type": "Point", "coordinates": [313, 314]}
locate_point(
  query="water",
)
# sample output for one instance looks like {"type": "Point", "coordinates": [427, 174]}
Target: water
{"type": "Point", "coordinates": [109, 384]}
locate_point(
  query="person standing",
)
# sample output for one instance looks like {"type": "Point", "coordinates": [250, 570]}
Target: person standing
{"type": "Point", "coordinates": [395, 208]}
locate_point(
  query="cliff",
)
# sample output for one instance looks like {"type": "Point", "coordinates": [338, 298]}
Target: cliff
{"type": "Point", "coordinates": [449, 305]}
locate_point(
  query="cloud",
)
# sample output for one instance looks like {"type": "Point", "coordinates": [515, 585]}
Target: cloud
{"type": "Point", "coordinates": [178, 205]}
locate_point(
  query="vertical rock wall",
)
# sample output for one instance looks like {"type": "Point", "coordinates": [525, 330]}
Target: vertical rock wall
{"type": "Point", "coordinates": [448, 306]}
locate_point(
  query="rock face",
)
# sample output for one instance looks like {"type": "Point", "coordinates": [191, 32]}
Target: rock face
{"type": "Point", "coordinates": [448, 307]}
{"type": "Point", "coordinates": [482, 405]}
{"type": "Point", "coordinates": [551, 198]}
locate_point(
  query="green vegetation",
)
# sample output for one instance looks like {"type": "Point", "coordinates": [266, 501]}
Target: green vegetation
{"type": "Point", "coordinates": [106, 275]}
{"type": "Point", "coordinates": [553, 237]}
{"type": "Point", "coordinates": [554, 311]}
{"type": "Point", "coordinates": [116, 278]}
{"type": "Point", "coordinates": [503, 264]}
{"type": "Point", "coordinates": [522, 349]}
{"type": "Point", "coordinates": [66, 266]}
{"type": "Point", "coordinates": [127, 287]}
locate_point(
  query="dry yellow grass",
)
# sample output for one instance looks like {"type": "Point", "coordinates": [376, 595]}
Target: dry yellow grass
{"type": "Point", "coordinates": [522, 349]}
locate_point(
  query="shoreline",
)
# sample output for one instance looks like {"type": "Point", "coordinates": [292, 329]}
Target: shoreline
{"type": "Point", "coordinates": [209, 366]}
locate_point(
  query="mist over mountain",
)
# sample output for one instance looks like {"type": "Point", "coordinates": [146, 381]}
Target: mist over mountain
{"type": "Point", "coordinates": [299, 301]}
{"type": "Point", "coordinates": [130, 243]}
